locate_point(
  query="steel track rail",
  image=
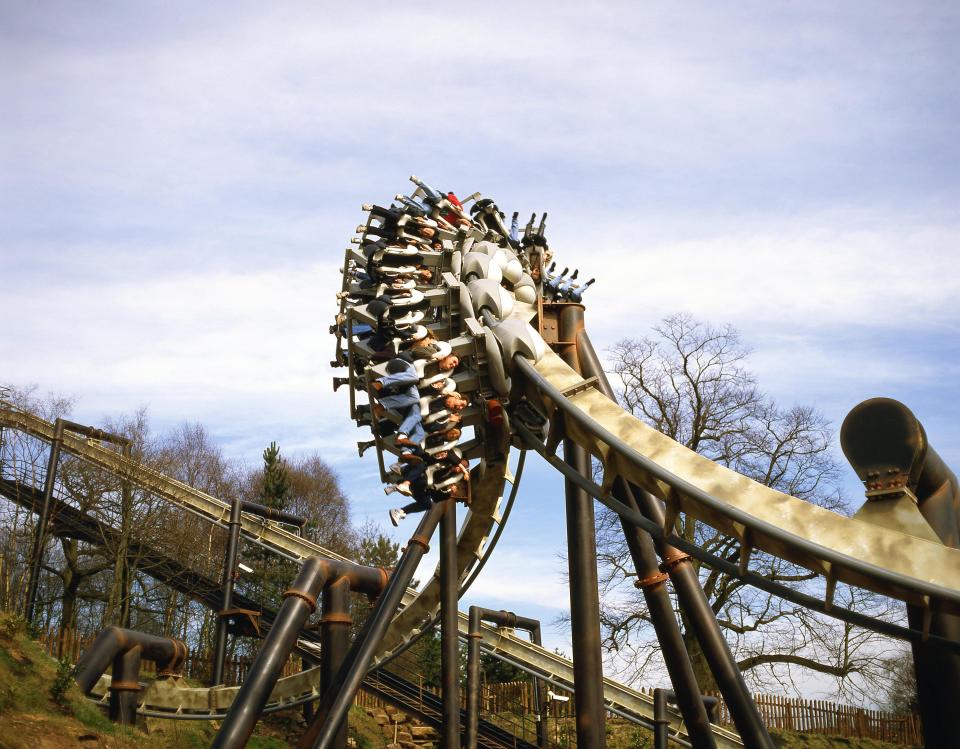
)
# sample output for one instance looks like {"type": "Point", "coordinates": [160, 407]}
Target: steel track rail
{"type": "Point", "coordinates": [419, 606]}
{"type": "Point", "coordinates": [885, 561]}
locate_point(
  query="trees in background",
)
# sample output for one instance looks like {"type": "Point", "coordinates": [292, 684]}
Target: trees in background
{"type": "Point", "coordinates": [89, 583]}
{"type": "Point", "coordinates": [689, 380]}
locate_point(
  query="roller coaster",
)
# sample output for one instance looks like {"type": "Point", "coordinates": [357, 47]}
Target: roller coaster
{"type": "Point", "coordinates": [462, 346]}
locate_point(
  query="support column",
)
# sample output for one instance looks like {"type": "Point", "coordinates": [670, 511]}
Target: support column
{"type": "Point", "coordinates": [582, 565]}
{"type": "Point", "coordinates": [336, 700]}
{"type": "Point", "coordinates": [474, 636]}
{"type": "Point", "coordinates": [653, 583]}
{"type": "Point", "coordinates": [40, 534]}
{"type": "Point", "coordinates": [125, 686]}
{"type": "Point", "coordinates": [702, 619]}
{"type": "Point", "coordinates": [226, 586]}
{"type": "Point", "coordinates": [299, 602]}
{"type": "Point", "coordinates": [449, 643]}
{"type": "Point", "coordinates": [335, 624]}
{"type": "Point", "coordinates": [473, 678]}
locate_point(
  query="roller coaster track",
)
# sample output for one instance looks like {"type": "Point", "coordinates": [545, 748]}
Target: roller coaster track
{"type": "Point", "coordinates": [175, 699]}
{"type": "Point", "coordinates": [512, 362]}
{"type": "Point", "coordinates": [70, 522]}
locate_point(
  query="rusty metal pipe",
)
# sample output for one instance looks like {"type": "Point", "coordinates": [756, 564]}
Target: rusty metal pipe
{"type": "Point", "coordinates": [338, 697]}
{"type": "Point", "coordinates": [94, 433]}
{"type": "Point", "coordinates": [125, 648]}
{"type": "Point", "coordinates": [40, 533]}
{"type": "Point", "coordinates": [449, 641]}
{"type": "Point", "coordinates": [702, 619]}
{"type": "Point", "coordinates": [226, 584]}
{"type": "Point", "coordinates": [299, 602]}
{"type": "Point", "coordinates": [269, 513]}
{"type": "Point", "coordinates": [652, 582]}
{"type": "Point", "coordinates": [504, 619]}
{"type": "Point", "coordinates": [335, 622]}
{"type": "Point", "coordinates": [125, 686]}
{"type": "Point", "coordinates": [167, 653]}
{"type": "Point", "coordinates": [582, 567]}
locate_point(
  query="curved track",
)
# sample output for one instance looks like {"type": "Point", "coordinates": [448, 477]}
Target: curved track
{"type": "Point", "coordinates": [510, 361]}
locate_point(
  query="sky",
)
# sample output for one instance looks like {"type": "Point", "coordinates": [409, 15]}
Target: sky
{"type": "Point", "coordinates": [178, 182]}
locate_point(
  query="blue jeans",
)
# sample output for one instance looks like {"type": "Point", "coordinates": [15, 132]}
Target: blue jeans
{"type": "Point", "coordinates": [407, 405]}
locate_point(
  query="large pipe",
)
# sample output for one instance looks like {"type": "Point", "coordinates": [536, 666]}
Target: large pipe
{"type": "Point", "coordinates": [652, 582]}
{"type": "Point", "coordinates": [226, 585]}
{"type": "Point", "coordinates": [125, 648]}
{"type": "Point", "coordinates": [449, 641]}
{"type": "Point", "coordinates": [40, 533]}
{"type": "Point", "coordinates": [299, 602]}
{"type": "Point", "coordinates": [269, 513]}
{"type": "Point", "coordinates": [125, 686]}
{"type": "Point", "coordinates": [703, 621]}
{"type": "Point", "coordinates": [338, 697]}
{"type": "Point", "coordinates": [661, 720]}
{"type": "Point", "coordinates": [582, 567]}
{"type": "Point", "coordinates": [474, 636]}
{"type": "Point", "coordinates": [335, 622]}
{"type": "Point", "coordinates": [888, 448]}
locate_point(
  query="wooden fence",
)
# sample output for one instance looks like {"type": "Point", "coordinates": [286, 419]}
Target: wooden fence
{"type": "Point", "coordinates": [804, 716]}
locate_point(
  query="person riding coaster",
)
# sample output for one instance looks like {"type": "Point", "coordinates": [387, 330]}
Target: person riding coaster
{"type": "Point", "coordinates": [429, 482]}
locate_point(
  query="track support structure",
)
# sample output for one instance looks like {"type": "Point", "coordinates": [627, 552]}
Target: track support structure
{"type": "Point", "coordinates": [502, 619]}
{"type": "Point", "coordinates": [582, 567]}
{"type": "Point", "coordinates": [339, 693]}
{"type": "Point", "coordinates": [449, 642]}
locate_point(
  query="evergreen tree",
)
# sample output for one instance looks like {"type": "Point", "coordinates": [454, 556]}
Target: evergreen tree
{"type": "Point", "coordinates": [276, 479]}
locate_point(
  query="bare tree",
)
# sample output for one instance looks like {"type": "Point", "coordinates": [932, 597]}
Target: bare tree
{"type": "Point", "coordinates": [690, 382]}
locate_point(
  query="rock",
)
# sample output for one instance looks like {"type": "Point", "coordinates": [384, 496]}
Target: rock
{"type": "Point", "coordinates": [423, 732]}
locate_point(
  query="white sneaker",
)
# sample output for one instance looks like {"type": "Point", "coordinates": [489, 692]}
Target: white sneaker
{"type": "Point", "coordinates": [396, 515]}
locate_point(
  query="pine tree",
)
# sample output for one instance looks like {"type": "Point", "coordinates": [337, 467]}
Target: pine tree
{"type": "Point", "coordinates": [276, 479]}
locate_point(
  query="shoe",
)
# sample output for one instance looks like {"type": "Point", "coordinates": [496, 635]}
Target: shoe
{"type": "Point", "coordinates": [404, 488]}
{"type": "Point", "coordinates": [396, 515]}
{"type": "Point", "coordinates": [390, 489]}
{"type": "Point", "coordinates": [402, 439]}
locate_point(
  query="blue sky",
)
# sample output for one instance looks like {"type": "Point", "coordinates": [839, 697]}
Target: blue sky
{"type": "Point", "coordinates": [178, 182]}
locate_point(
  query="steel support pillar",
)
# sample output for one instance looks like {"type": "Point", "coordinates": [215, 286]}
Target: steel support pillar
{"type": "Point", "coordinates": [40, 534]}
{"type": "Point", "coordinates": [449, 641]}
{"type": "Point", "coordinates": [694, 603]}
{"type": "Point", "coordinates": [335, 624]}
{"type": "Point", "coordinates": [125, 686]}
{"type": "Point", "coordinates": [653, 583]}
{"type": "Point", "coordinates": [582, 566]}
{"type": "Point", "coordinates": [474, 636]}
{"type": "Point", "coordinates": [299, 602]}
{"type": "Point", "coordinates": [338, 697]}
{"type": "Point", "coordinates": [226, 585]}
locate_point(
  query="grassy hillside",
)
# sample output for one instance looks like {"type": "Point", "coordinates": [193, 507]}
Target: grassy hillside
{"type": "Point", "coordinates": [42, 708]}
